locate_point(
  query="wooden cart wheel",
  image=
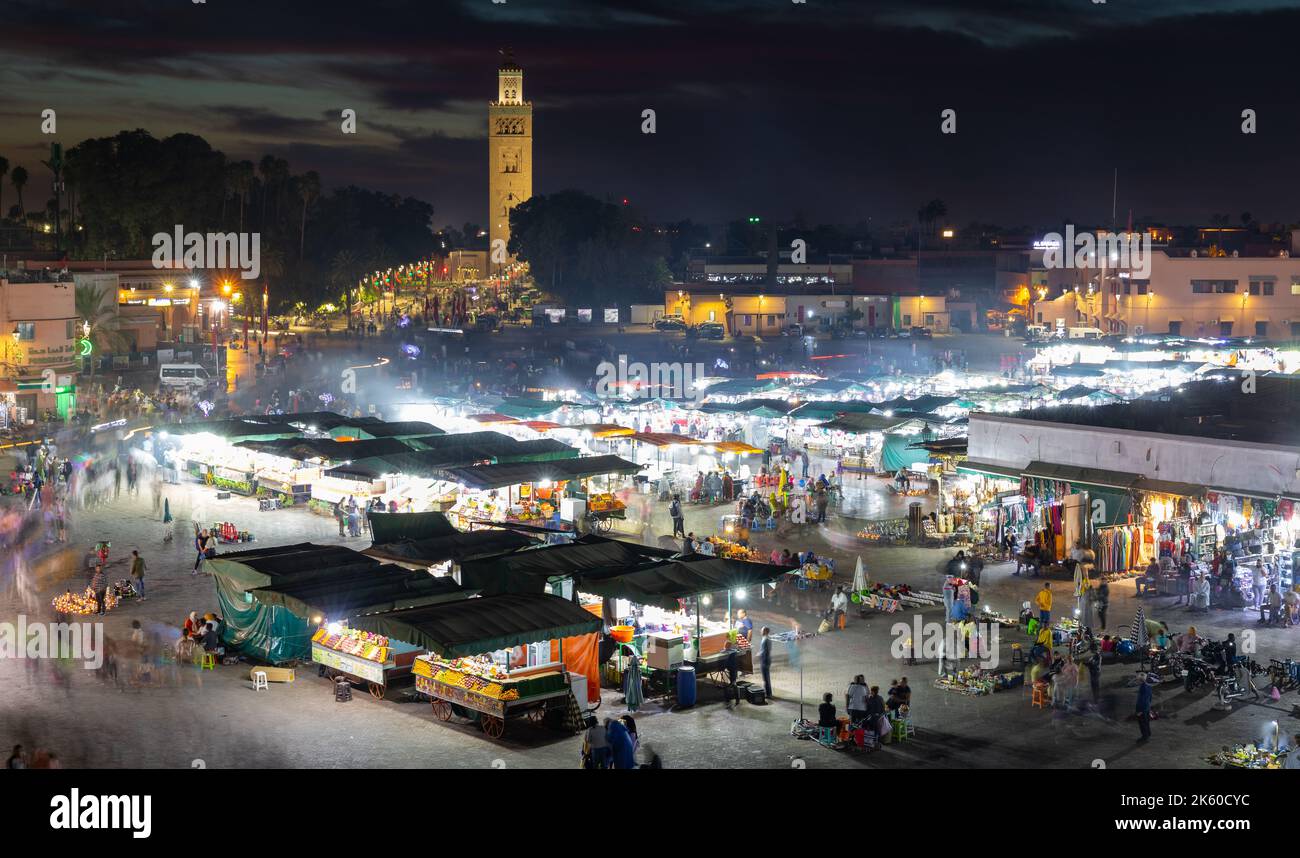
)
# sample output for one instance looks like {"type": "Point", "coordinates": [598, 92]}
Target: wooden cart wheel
{"type": "Point", "coordinates": [604, 525]}
{"type": "Point", "coordinates": [537, 714]}
{"type": "Point", "coordinates": [377, 690]}
{"type": "Point", "coordinates": [441, 709]}
{"type": "Point", "coordinates": [492, 726]}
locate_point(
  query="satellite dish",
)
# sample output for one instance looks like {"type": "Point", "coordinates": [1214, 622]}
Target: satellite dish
{"type": "Point", "coordinates": [1194, 254]}
{"type": "Point", "coordinates": [1235, 254]}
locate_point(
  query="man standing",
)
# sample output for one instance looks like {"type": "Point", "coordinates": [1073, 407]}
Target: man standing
{"type": "Point", "coordinates": [765, 660]}
{"type": "Point", "coordinates": [675, 511]}
{"type": "Point", "coordinates": [137, 573]}
{"type": "Point", "coordinates": [98, 588]}
{"type": "Point", "coordinates": [744, 625]}
{"type": "Point", "coordinates": [840, 605]}
{"type": "Point", "coordinates": [1260, 584]}
{"type": "Point", "coordinates": [1144, 707]}
{"type": "Point", "coordinates": [1044, 602]}
{"type": "Point", "coordinates": [1103, 603]}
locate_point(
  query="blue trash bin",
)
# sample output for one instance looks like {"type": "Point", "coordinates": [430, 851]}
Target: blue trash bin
{"type": "Point", "coordinates": [685, 686]}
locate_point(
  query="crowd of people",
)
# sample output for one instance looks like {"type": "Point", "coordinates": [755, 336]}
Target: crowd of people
{"type": "Point", "coordinates": [866, 709]}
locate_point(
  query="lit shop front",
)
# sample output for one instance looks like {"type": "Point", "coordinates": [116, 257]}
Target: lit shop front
{"type": "Point", "coordinates": [546, 494]}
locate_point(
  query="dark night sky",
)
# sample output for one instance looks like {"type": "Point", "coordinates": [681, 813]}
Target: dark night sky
{"type": "Point", "coordinates": [764, 106]}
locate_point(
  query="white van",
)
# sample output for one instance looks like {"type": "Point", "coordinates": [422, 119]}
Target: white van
{"type": "Point", "coordinates": [1086, 333]}
{"type": "Point", "coordinates": [183, 375]}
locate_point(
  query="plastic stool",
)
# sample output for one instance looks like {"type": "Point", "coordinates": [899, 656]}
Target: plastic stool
{"type": "Point", "coordinates": [209, 661]}
{"type": "Point", "coordinates": [1017, 656]}
{"type": "Point", "coordinates": [259, 681]}
{"type": "Point", "coordinates": [900, 731]}
{"type": "Point", "coordinates": [1039, 698]}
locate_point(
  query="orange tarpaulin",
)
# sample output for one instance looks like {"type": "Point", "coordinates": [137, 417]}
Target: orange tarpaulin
{"type": "Point", "coordinates": [735, 447]}
{"type": "Point", "coordinates": [663, 439]}
{"type": "Point", "coordinates": [542, 425]}
{"type": "Point", "coordinates": [492, 418]}
{"type": "Point", "coordinates": [580, 656]}
{"type": "Point", "coordinates": [604, 430]}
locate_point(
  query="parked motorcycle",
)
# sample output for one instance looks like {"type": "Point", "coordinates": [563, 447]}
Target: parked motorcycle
{"type": "Point", "coordinates": [1201, 670]}
{"type": "Point", "coordinates": [1238, 682]}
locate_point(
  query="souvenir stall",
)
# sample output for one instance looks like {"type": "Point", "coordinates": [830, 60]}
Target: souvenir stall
{"type": "Point", "coordinates": [976, 682]}
{"type": "Point", "coordinates": [990, 498]}
{"type": "Point", "coordinates": [1056, 517]}
{"type": "Point", "coordinates": [494, 659]}
{"type": "Point", "coordinates": [1119, 549]}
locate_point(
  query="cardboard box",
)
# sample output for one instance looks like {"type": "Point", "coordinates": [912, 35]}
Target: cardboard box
{"type": "Point", "coordinates": [274, 674]}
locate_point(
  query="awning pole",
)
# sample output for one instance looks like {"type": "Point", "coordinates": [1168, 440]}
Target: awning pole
{"type": "Point", "coordinates": [698, 647]}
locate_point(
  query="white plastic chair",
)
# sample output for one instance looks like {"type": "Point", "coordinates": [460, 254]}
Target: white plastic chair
{"type": "Point", "coordinates": [259, 681]}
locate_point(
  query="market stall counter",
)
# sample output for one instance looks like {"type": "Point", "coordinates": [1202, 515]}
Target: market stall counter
{"type": "Point", "coordinates": [362, 657]}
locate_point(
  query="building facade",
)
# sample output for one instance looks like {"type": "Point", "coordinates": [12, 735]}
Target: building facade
{"type": "Point", "coordinates": [1186, 293]}
{"type": "Point", "coordinates": [39, 337]}
{"type": "Point", "coordinates": [510, 153]}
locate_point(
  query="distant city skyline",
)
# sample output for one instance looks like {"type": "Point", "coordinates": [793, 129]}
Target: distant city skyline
{"type": "Point", "coordinates": [830, 109]}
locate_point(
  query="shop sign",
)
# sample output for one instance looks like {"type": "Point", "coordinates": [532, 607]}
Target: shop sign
{"type": "Point", "coordinates": [359, 667]}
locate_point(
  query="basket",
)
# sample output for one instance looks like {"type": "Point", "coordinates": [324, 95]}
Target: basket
{"type": "Point", "coordinates": [622, 634]}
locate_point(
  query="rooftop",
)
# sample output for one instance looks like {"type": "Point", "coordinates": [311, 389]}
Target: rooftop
{"type": "Point", "coordinates": [1207, 409]}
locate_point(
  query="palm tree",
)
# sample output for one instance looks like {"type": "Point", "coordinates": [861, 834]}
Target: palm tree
{"type": "Point", "coordinates": [308, 190]}
{"type": "Point", "coordinates": [267, 168]}
{"type": "Point", "coordinates": [4, 171]}
{"type": "Point", "coordinates": [19, 179]}
{"type": "Point", "coordinates": [345, 270]}
{"type": "Point", "coordinates": [94, 306]}
{"type": "Point", "coordinates": [244, 171]}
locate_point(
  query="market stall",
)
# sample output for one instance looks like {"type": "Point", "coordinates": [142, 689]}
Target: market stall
{"type": "Point", "coordinates": [493, 659]}
{"type": "Point", "coordinates": [668, 606]}
{"type": "Point", "coordinates": [362, 657]}
{"type": "Point", "coordinates": [273, 599]}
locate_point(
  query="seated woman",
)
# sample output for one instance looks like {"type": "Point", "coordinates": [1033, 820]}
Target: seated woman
{"type": "Point", "coordinates": [191, 628]}
{"type": "Point", "coordinates": [210, 641]}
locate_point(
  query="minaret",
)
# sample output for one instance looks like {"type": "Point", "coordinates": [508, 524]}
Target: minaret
{"type": "Point", "coordinates": [510, 152]}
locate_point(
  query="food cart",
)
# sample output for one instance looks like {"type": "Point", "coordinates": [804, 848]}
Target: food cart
{"type": "Point", "coordinates": [493, 659]}
{"type": "Point", "coordinates": [602, 510]}
{"type": "Point", "coordinates": [364, 658]}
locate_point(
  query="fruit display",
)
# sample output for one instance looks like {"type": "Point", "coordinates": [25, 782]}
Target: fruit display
{"type": "Point", "coordinates": [478, 675]}
{"type": "Point", "coordinates": [604, 502]}
{"type": "Point", "coordinates": [82, 603]}
{"type": "Point", "coordinates": [735, 551]}
{"type": "Point", "coordinates": [361, 644]}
